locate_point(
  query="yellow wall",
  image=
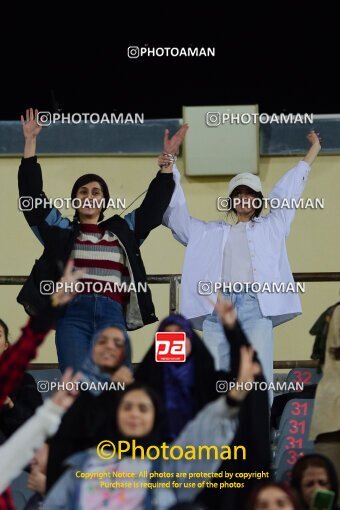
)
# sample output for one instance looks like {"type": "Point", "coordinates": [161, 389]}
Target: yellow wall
{"type": "Point", "coordinates": [313, 245]}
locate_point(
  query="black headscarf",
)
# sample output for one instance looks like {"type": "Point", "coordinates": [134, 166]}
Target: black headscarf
{"type": "Point", "coordinates": [158, 433]}
{"type": "Point", "coordinates": [204, 374]}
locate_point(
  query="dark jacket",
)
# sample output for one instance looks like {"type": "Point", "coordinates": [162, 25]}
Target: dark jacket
{"type": "Point", "coordinates": [58, 235]}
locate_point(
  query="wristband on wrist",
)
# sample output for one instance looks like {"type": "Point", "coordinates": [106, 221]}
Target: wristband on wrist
{"type": "Point", "coordinates": [172, 157]}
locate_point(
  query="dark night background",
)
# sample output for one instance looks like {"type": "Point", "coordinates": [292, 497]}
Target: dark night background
{"type": "Point", "coordinates": [276, 58]}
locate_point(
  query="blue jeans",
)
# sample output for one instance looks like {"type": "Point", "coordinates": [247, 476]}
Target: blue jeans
{"type": "Point", "coordinates": [82, 319]}
{"type": "Point", "coordinates": [258, 329]}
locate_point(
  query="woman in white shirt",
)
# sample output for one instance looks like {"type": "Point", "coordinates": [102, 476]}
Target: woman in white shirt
{"type": "Point", "coordinates": [252, 250]}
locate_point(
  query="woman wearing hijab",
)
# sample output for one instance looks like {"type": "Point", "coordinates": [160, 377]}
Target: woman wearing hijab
{"type": "Point", "coordinates": [109, 250]}
{"type": "Point", "coordinates": [91, 417]}
{"type": "Point", "coordinates": [253, 250]}
{"type": "Point", "coordinates": [185, 388]}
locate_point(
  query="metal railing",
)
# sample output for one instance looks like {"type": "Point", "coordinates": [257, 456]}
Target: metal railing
{"type": "Point", "coordinates": [174, 281]}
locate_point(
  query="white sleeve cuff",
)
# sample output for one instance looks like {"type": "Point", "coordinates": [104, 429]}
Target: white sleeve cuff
{"type": "Point", "coordinates": [50, 414]}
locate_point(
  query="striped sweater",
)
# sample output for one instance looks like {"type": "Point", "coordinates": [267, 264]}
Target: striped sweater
{"type": "Point", "coordinates": [100, 253]}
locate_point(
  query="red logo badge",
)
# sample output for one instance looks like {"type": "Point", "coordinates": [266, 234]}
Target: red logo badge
{"type": "Point", "coordinates": [170, 346]}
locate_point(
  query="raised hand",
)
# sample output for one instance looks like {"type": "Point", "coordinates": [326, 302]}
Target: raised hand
{"type": "Point", "coordinates": [65, 397]}
{"type": "Point", "coordinates": [172, 145]}
{"type": "Point", "coordinates": [8, 403]}
{"type": "Point", "coordinates": [314, 138]}
{"type": "Point", "coordinates": [36, 481]}
{"type": "Point", "coordinates": [69, 279]}
{"type": "Point", "coordinates": [315, 141]}
{"type": "Point", "coordinates": [248, 368]}
{"type": "Point", "coordinates": [226, 312]}
{"type": "Point", "coordinates": [30, 127]}
{"type": "Point", "coordinates": [165, 160]}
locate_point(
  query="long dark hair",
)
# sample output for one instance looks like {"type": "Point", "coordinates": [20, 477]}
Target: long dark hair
{"type": "Point", "coordinates": [82, 181]}
{"type": "Point", "coordinates": [157, 434]}
{"type": "Point", "coordinates": [257, 194]}
{"type": "Point", "coordinates": [314, 460]}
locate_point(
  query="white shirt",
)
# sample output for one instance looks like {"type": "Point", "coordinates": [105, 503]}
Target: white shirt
{"type": "Point", "coordinates": [266, 236]}
{"type": "Point", "coordinates": [19, 449]}
{"type": "Point", "coordinates": [236, 256]}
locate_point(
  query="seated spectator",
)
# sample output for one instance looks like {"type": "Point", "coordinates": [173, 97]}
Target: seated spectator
{"type": "Point", "coordinates": [313, 472]}
{"type": "Point", "coordinates": [187, 387]}
{"type": "Point", "coordinates": [19, 449]}
{"type": "Point", "coordinates": [273, 496]}
{"type": "Point", "coordinates": [90, 419]}
{"type": "Point", "coordinates": [21, 404]}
